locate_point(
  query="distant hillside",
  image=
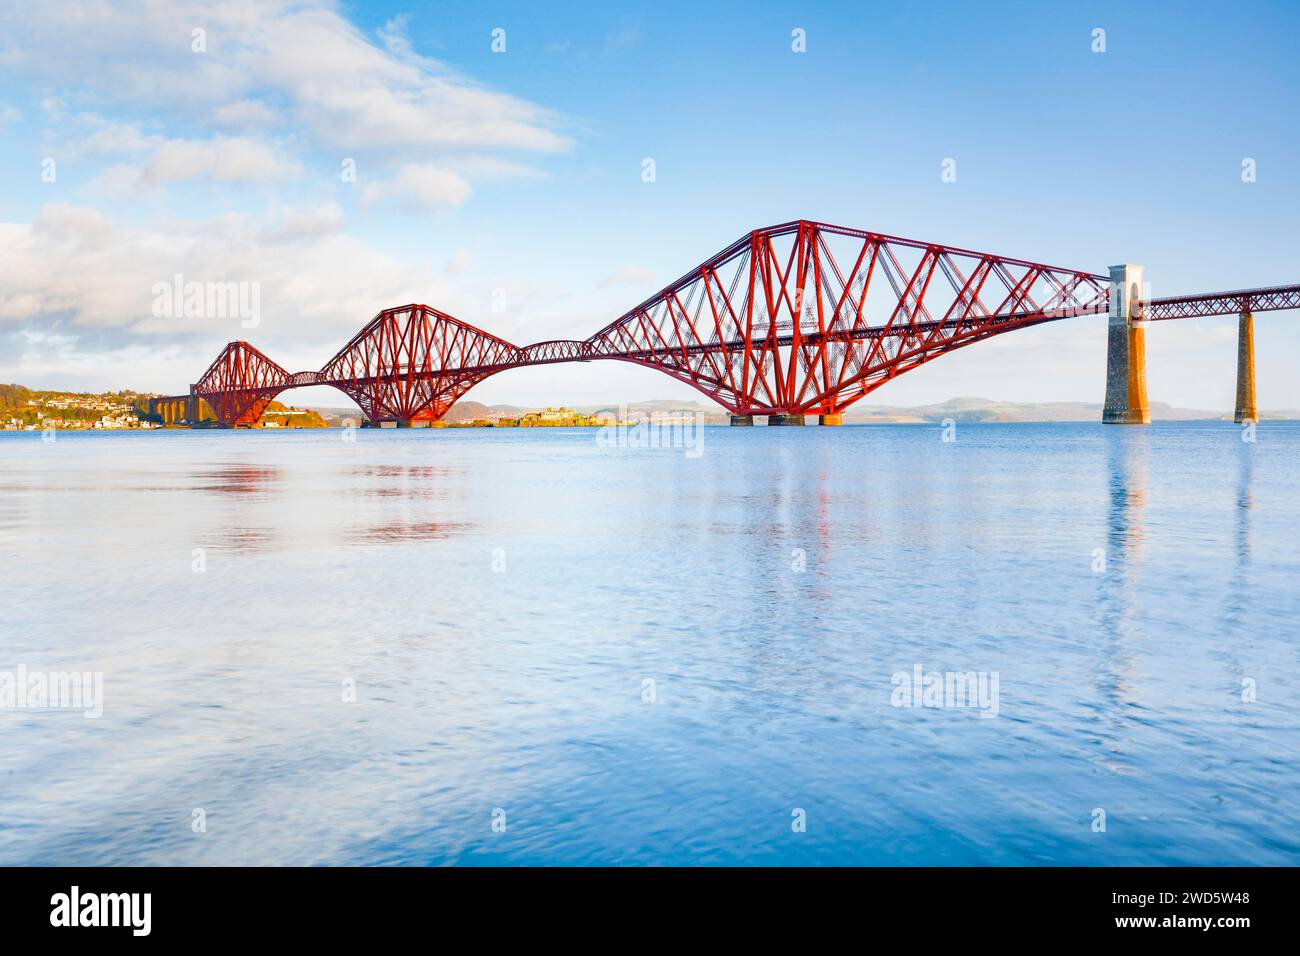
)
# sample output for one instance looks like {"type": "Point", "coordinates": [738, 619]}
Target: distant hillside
{"type": "Point", "coordinates": [988, 410]}
{"type": "Point", "coordinates": [667, 408]}
{"type": "Point", "coordinates": [22, 402]}
{"type": "Point", "coordinates": [279, 415]}
{"type": "Point", "coordinates": [14, 395]}
{"type": "Point", "coordinates": [466, 411]}
{"type": "Point", "coordinates": [958, 409]}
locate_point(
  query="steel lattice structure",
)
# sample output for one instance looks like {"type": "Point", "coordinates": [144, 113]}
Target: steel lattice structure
{"type": "Point", "coordinates": [241, 382]}
{"type": "Point", "coordinates": [1222, 303]}
{"type": "Point", "coordinates": [412, 363]}
{"type": "Point", "coordinates": [796, 318]}
{"type": "Point", "coordinates": [811, 317]}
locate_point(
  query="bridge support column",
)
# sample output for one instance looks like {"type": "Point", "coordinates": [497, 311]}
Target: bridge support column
{"type": "Point", "coordinates": [742, 419]}
{"type": "Point", "coordinates": [412, 424]}
{"type": "Point", "coordinates": [834, 419]}
{"type": "Point", "coordinates": [785, 419]}
{"type": "Point", "coordinates": [1247, 409]}
{"type": "Point", "coordinates": [1126, 354]}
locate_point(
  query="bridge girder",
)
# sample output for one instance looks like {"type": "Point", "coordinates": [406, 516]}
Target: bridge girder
{"type": "Point", "coordinates": [796, 318]}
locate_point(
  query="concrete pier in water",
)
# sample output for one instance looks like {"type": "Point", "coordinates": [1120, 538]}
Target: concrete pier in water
{"type": "Point", "coordinates": [1247, 408]}
{"type": "Point", "coordinates": [1126, 356]}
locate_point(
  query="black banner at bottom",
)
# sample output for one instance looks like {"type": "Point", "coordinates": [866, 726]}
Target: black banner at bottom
{"type": "Point", "coordinates": [332, 906]}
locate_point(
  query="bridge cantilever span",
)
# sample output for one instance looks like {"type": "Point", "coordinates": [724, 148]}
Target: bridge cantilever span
{"type": "Point", "coordinates": [1204, 304]}
{"type": "Point", "coordinates": [803, 317]}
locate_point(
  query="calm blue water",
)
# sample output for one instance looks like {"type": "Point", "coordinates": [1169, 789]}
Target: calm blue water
{"type": "Point", "coordinates": [500, 599]}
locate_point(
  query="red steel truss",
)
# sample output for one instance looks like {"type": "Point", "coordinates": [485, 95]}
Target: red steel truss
{"type": "Point", "coordinates": [797, 318]}
{"type": "Point", "coordinates": [240, 383]}
{"type": "Point", "coordinates": [808, 317]}
{"type": "Point", "coordinates": [1223, 303]}
{"type": "Point", "coordinates": [412, 363]}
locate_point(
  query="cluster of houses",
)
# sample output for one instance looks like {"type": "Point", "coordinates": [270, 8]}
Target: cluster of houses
{"type": "Point", "coordinates": [107, 423]}
{"type": "Point", "coordinates": [44, 412]}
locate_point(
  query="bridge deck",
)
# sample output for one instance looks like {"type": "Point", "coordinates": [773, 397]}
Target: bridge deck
{"type": "Point", "coordinates": [779, 320]}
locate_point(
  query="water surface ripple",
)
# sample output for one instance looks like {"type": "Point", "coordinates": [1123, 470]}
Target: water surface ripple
{"type": "Point", "coordinates": [500, 599]}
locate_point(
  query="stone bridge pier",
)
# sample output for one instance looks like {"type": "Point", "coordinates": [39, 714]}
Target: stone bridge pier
{"type": "Point", "coordinates": [1126, 351]}
{"type": "Point", "coordinates": [1247, 408]}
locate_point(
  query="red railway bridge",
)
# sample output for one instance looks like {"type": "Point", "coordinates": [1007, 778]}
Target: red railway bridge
{"type": "Point", "coordinates": [797, 319]}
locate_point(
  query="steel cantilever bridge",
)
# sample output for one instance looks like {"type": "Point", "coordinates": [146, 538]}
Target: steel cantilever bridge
{"type": "Point", "coordinates": [799, 318]}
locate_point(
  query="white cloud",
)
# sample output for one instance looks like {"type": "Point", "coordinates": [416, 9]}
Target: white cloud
{"type": "Point", "coordinates": [246, 113]}
{"type": "Point", "coordinates": [108, 137]}
{"type": "Point", "coordinates": [220, 159]}
{"type": "Point", "coordinates": [228, 159]}
{"type": "Point", "coordinates": [145, 112]}
{"type": "Point", "coordinates": [342, 89]}
{"type": "Point", "coordinates": [8, 114]}
{"type": "Point", "coordinates": [64, 361]}
{"type": "Point", "coordinates": [77, 269]}
{"type": "Point", "coordinates": [294, 224]}
{"type": "Point", "coordinates": [420, 187]}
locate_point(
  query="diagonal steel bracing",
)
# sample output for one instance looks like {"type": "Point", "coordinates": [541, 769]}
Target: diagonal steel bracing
{"type": "Point", "coordinates": [796, 318]}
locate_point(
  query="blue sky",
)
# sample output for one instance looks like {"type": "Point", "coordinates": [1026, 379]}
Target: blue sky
{"type": "Point", "coordinates": [514, 178]}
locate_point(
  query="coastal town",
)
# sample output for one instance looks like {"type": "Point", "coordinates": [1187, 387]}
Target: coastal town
{"type": "Point", "coordinates": [25, 409]}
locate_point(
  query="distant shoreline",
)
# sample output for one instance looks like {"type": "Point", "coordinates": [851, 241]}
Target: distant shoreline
{"type": "Point", "coordinates": [25, 409]}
